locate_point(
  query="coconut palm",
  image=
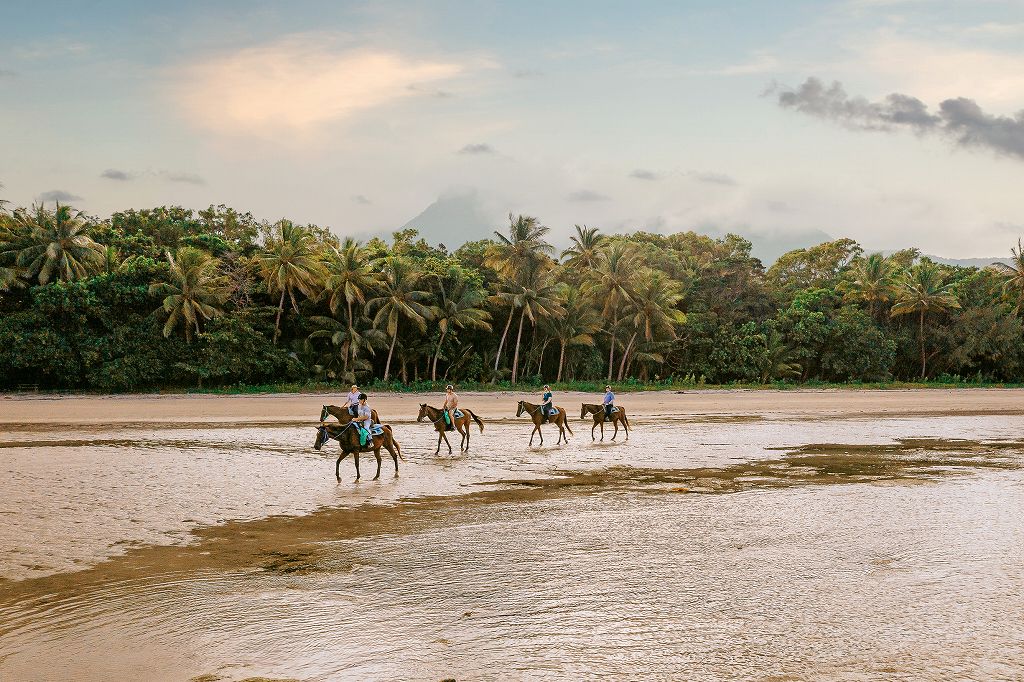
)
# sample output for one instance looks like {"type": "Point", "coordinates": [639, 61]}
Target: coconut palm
{"type": "Point", "coordinates": [923, 290]}
{"type": "Point", "coordinates": [779, 360]}
{"type": "Point", "coordinates": [652, 311]}
{"type": "Point", "coordinates": [613, 280]}
{"type": "Point", "coordinates": [1013, 272]}
{"type": "Point", "coordinates": [399, 298]}
{"type": "Point", "coordinates": [348, 339]}
{"type": "Point", "coordinates": [349, 280]}
{"type": "Point", "coordinates": [585, 250]}
{"type": "Point", "coordinates": [870, 280]}
{"type": "Point", "coordinates": [290, 262]}
{"type": "Point", "coordinates": [13, 239]}
{"type": "Point", "coordinates": [577, 326]}
{"type": "Point", "coordinates": [538, 299]}
{"type": "Point", "coordinates": [524, 250]}
{"type": "Point", "coordinates": [459, 309]}
{"type": "Point", "coordinates": [57, 245]}
{"type": "Point", "coordinates": [193, 292]}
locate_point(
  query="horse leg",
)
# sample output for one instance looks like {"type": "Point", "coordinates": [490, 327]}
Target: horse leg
{"type": "Point", "coordinates": [535, 427]}
{"type": "Point", "coordinates": [625, 425]}
{"type": "Point", "coordinates": [592, 430]}
{"type": "Point", "coordinates": [337, 466]}
{"type": "Point", "coordinates": [376, 453]}
{"type": "Point", "coordinates": [446, 442]}
{"type": "Point", "coordinates": [465, 437]}
{"type": "Point", "coordinates": [393, 456]}
{"type": "Point", "coordinates": [440, 434]}
{"type": "Point", "coordinates": [357, 464]}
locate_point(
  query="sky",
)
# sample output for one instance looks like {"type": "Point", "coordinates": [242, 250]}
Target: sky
{"type": "Point", "coordinates": [894, 122]}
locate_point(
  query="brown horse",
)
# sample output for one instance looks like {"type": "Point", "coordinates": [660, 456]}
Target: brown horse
{"type": "Point", "coordinates": [347, 436]}
{"type": "Point", "coordinates": [619, 415]}
{"type": "Point", "coordinates": [461, 424]}
{"type": "Point", "coordinates": [559, 419]}
{"type": "Point", "coordinates": [343, 415]}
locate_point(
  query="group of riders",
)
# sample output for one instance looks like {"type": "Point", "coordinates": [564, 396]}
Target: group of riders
{"type": "Point", "coordinates": [362, 415]}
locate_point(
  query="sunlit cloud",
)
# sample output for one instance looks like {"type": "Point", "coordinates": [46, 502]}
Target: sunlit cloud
{"type": "Point", "coordinates": [298, 83]}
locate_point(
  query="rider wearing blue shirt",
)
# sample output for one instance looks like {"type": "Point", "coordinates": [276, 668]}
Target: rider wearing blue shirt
{"type": "Point", "coordinates": [609, 402]}
{"type": "Point", "coordinates": [546, 407]}
{"type": "Point", "coordinates": [352, 401]}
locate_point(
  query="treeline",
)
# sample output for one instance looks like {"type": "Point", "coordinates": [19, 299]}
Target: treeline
{"type": "Point", "coordinates": [169, 297]}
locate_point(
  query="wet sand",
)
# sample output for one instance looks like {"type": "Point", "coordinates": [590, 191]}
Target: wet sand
{"type": "Point", "coordinates": [743, 535]}
{"type": "Point", "coordinates": [278, 408]}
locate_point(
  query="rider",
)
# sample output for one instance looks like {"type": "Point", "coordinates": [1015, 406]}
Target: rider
{"type": "Point", "coordinates": [451, 402]}
{"type": "Point", "coordinates": [609, 403]}
{"type": "Point", "coordinates": [352, 401]}
{"type": "Point", "coordinates": [546, 399]}
{"type": "Point", "coordinates": [363, 419]}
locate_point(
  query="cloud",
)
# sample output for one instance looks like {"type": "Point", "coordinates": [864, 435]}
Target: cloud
{"type": "Point", "coordinates": [477, 148]}
{"type": "Point", "coordinates": [187, 178]}
{"type": "Point", "coordinates": [587, 195]}
{"type": "Point", "coordinates": [298, 83]}
{"type": "Point", "coordinates": [642, 174]}
{"type": "Point", "coordinates": [960, 120]}
{"type": "Point", "coordinates": [114, 174]}
{"type": "Point", "coordinates": [712, 178]}
{"type": "Point", "coordinates": [361, 199]}
{"type": "Point", "coordinates": [527, 73]}
{"type": "Point", "coordinates": [59, 195]}
{"type": "Point", "coordinates": [167, 176]}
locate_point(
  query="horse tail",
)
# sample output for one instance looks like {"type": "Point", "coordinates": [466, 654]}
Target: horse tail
{"type": "Point", "coordinates": [624, 418]}
{"type": "Point", "coordinates": [565, 420]}
{"type": "Point", "coordinates": [477, 420]}
{"type": "Point", "coordinates": [398, 448]}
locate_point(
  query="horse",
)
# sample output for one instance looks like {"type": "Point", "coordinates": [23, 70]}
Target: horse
{"type": "Point", "coordinates": [343, 415]}
{"type": "Point", "coordinates": [461, 424]}
{"type": "Point", "coordinates": [347, 436]}
{"type": "Point", "coordinates": [619, 415]}
{"type": "Point", "coordinates": [559, 419]}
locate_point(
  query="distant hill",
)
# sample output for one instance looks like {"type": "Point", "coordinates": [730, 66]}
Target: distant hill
{"type": "Point", "coordinates": [465, 215]}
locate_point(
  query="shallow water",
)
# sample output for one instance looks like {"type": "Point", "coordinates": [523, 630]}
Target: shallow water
{"type": "Point", "coordinates": [750, 549]}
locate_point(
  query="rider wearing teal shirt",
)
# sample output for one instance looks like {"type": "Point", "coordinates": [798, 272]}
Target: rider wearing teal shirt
{"type": "Point", "coordinates": [546, 407]}
{"type": "Point", "coordinates": [362, 419]}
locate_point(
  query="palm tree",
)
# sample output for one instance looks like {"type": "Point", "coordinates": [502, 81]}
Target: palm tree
{"type": "Point", "coordinates": [291, 262]}
{"type": "Point", "coordinates": [459, 310]}
{"type": "Point", "coordinates": [652, 311]}
{"type": "Point", "coordinates": [349, 279]}
{"type": "Point", "coordinates": [539, 300]}
{"type": "Point", "coordinates": [870, 281]}
{"type": "Point", "coordinates": [348, 339]}
{"type": "Point", "coordinates": [585, 250]}
{"type": "Point", "coordinates": [613, 279]}
{"type": "Point", "coordinates": [922, 290]}
{"type": "Point", "coordinates": [1013, 284]}
{"type": "Point", "coordinates": [58, 245]}
{"type": "Point", "coordinates": [194, 291]}
{"type": "Point", "coordinates": [524, 250]}
{"type": "Point", "coordinates": [778, 359]}
{"type": "Point", "coordinates": [13, 239]}
{"type": "Point", "coordinates": [398, 298]}
{"type": "Point", "coordinates": [577, 326]}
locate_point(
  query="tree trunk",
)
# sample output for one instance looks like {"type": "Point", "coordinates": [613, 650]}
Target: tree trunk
{"type": "Point", "coordinates": [561, 362]}
{"type": "Point", "coordinates": [277, 323]}
{"type": "Point", "coordinates": [540, 363]}
{"type": "Point", "coordinates": [351, 343]}
{"type": "Point", "coordinates": [437, 353]}
{"type": "Point", "coordinates": [611, 351]}
{"type": "Point", "coordinates": [924, 360]}
{"type": "Point", "coordinates": [519, 336]}
{"type": "Point", "coordinates": [497, 358]}
{"type": "Point", "coordinates": [625, 355]}
{"type": "Point", "coordinates": [391, 350]}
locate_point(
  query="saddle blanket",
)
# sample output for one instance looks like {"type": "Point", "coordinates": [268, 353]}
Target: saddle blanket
{"type": "Point", "coordinates": [457, 413]}
{"type": "Point", "coordinates": [376, 430]}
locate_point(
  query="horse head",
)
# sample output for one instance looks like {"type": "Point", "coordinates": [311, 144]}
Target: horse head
{"type": "Point", "coordinates": [323, 414]}
{"type": "Point", "coordinates": [583, 411]}
{"type": "Point", "coordinates": [321, 436]}
{"type": "Point", "coordinates": [522, 408]}
{"type": "Point", "coordinates": [423, 412]}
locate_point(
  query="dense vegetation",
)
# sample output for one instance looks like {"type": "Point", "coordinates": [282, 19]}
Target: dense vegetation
{"type": "Point", "coordinates": [169, 297]}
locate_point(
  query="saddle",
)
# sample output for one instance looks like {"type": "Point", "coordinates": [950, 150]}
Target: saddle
{"type": "Point", "coordinates": [606, 417]}
{"type": "Point", "coordinates": [456, 414]}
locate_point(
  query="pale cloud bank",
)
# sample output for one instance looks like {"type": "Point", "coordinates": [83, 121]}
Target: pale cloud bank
{"type": "Point", "coordinates": [299, 82]}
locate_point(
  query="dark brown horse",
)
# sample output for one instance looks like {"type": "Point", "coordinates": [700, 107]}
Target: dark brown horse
{"type": "Point", "coordinates": [461, 424]}
{"type": "Point", "coordinates": [347, 436]}
{"type": "Point", "coordinates": [619, 415]}
{"type": "Point", "coordinates": [343, 415]}
{"type": "Point", "coordinates": [559, 419]}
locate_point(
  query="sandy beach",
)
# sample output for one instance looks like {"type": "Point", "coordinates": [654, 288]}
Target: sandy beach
{"type": "Point", "coordinates": [292, 407]}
